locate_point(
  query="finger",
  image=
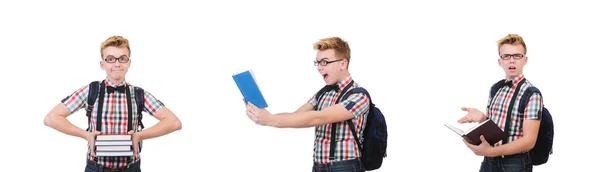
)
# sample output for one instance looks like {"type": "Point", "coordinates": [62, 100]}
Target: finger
{"type": "Point", "coordinates": [244, 100]}
{"type": "Point", "coordinates": [464, 109]}
{"type": "Point", "coordinates": [130, 132]}
{"type": "Point", "coordinates": [483, 139]}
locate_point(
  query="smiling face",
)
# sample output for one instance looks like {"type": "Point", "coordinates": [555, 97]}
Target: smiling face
{"type": "Point", "coordinates": [115, 63]}
{"type": "Point", "coordinates": [115, 53]}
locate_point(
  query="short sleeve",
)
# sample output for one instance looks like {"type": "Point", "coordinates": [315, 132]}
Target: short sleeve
{"type": "Point", "coordinates": [357, 104]}
{"type": "Point", "coordinates": [313, 100]}
{"type": "Point", "coordinates": [77, 99]}
{"type": "Point", "coordinates": [533, 108]}
{"type": "Point", "coordinates": [151, 103]}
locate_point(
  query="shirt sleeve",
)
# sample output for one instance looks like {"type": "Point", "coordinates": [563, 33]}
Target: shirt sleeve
{"type": "Point", "coordinates": [533, 108]}
{"type": "Point", "coordinates": [77, 99]}
{"type": "Point", "coordinates": [357, 104]}
{"type": "Point", "coordinates": [313, 100]}
{"type": "Point", "coordinates": [151, 103]}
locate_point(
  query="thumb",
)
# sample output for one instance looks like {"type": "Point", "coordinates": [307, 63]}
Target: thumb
{"type": "Point", "coordinates": [97, 132]}
{"type": "Point", "coordinates": [130, 132]}
{"type": "Point", "coordinates": [483, 139]}
{"type": "Point", "coordinates": [464, 109]}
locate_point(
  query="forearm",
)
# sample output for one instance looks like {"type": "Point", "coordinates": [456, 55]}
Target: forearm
{"type": "Point", "coordinates": [161, 128]}
{"type": "Point", "coordinates": [61, 124]}
{"type": "Point", "coordinates": [295, 120]}
{"type": "Point", "coordinates": [520, 145]}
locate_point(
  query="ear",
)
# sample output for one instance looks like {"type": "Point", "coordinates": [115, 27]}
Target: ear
{"type": "Point", "coordinates": [101, 65]}
{"type": "Point", "coordinates": [344, 64]}
{"type": "Point", "coordinates": [525, 59]}
{"type": "Point", "coordinates": [499, 63]}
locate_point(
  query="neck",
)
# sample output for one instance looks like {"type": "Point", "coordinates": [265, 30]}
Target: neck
{"type": "Point", "coordinates": [508, 77]}
{"type": "Point", "coordinates": [116, 81]}
{"type": "Point", "coordinates": [343, 75]}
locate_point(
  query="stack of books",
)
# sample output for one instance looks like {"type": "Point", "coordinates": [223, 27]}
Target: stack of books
{"type": "Point", "coordinates": [113, 145]}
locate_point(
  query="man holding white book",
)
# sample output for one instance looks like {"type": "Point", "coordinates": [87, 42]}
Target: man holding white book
{"type": "Point", "coordinates": [332, 59]}
{"type": "Point", "coordinates": [512, 155]}
{"type": "Point", "coordinates": [115, 111]}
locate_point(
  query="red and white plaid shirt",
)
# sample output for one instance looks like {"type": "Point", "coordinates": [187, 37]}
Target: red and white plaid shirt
{"type": "Point", "coordinates": [114, 117]}
{"type": "Point", "coordinates": [346, 148]}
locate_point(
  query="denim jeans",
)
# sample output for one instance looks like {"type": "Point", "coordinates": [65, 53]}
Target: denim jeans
{"type": "Point", "coordinates": [94, 167]}
{"type": "Point", "coordinates": [511, 163]}
{"type": "Point", "coordinates": [353, 165]}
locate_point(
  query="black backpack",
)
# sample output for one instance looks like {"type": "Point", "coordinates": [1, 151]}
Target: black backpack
{"type": "Point", "coordinates": [374, 146]}
{"type": "Point", "coordinates": [93, 94]}
{"type": "Point", "coordinates": [543, 145]}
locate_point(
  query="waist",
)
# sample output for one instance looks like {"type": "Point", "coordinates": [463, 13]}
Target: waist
{"type": "Point", "coordinates": [101, 166]}
{"type": "Point", "coordinates": [338, 163]}
{"type": "Point", "coordinates": [519, 155]}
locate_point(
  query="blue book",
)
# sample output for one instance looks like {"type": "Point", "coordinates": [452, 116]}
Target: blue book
{"type": "Point", "coordinates": [246, 83]}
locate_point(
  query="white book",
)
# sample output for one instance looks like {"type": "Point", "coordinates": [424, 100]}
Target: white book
{"type": "Point", "coordinates": [113, 143]}
{"type": "Point", "coordinates": [113, 148]}
{"type": "Point", "coordinates": [114, 153]}
{"type": "Point", "coordinates": [113, 137]}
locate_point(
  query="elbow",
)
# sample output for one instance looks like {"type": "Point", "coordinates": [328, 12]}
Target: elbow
{"type": "Point", "coordinates": [48, 121]}
{"type": "Point", "coordinates": [177, 125]}
{"type": "Point", "coordinates": [531, 144]}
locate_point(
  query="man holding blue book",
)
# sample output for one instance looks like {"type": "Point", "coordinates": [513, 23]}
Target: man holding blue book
{"type": "Point", "coordinates": [323, 110]}
{"type": "Point", "coordinates": [114, 111]}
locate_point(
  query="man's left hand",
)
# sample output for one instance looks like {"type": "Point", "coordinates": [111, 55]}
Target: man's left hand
{"type": "Point", "coordinates": [135, 138]}
{"type": "Point", "coordinates": [483, 149]}
{"type": "Point", "coordinates": [259, 116]}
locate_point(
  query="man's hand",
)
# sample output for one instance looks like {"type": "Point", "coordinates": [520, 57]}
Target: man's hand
{"type": "Point", "coordinates": [473, 115]}
{"type": "Point", "coordinates": [483, 149]}
{"type": "Point", "coordinates": [90, 138]}
{"type": "Point", "coordinates": [135, 138]}
{"type": "Point", "coordinates": [259, 116]}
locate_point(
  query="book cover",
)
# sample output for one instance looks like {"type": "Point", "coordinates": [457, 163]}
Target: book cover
{"type": "Point", "coordinates": [246, 83]}
{"type": "Point", "coordinates": [487, 128]}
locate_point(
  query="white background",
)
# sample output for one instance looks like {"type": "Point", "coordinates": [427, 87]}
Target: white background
{"type": "Point", "coordinates": [443, 54]}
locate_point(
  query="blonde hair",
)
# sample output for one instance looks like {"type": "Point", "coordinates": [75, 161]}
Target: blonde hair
{"type": "Point", "coordinates": [341, 47]}
{"type": "Point", "coordinates": [512, 39]}
{"type": "Point", "coordinates": [116, 41]}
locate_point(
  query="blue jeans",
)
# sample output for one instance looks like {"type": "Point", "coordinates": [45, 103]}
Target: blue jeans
{"type": "Point", "coordinates": [94, 167]}
{"type": "Point", "coordinates": [510, 163]}
{"type": "Point", "coordinates": [353, 165]}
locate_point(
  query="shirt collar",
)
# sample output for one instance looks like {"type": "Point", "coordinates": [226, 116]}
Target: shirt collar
{"type": "Point", "coordinates": [517, 79]}
{"type": "Point", "coordinates": [110, 83]}
{"type": "Point", "coordinates": [344, 82]}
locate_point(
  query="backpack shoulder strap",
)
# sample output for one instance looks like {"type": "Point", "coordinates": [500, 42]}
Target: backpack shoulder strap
{"type": "Point", "coordinates": [333, 125]}
{"type": "Point", "coordinates": [525, 98]}
{"type": "Point", "coordinates": [139, 100]}
{"type": "Point", "coordinates": [91, 99]}
{"type": "Point", "coordinates": [509, 114]}
{"type": "Point", "coordinates": [320, 93]}
{"type": "Point", "coordinates": [494, 89]}
{"type": "Point", "coordinates": [349, 122]}
{"type": "Point", "coordinates": [99, 108]}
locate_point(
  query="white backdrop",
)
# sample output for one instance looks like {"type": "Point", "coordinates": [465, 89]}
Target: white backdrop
{"type": "Point", "coordinates": [443, 54]}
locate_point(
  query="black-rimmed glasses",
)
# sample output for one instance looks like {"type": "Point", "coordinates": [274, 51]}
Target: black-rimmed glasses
{"type": "Point", "coordinates": [514, 56]}
{"type": "Point", "coordinates": [325, 62]}
{"type": "Point", "coordinates": [112, 59]}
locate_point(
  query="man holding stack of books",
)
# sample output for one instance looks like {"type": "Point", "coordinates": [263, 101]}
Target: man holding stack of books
{"type": "Point", "coordinates": [114, 114]}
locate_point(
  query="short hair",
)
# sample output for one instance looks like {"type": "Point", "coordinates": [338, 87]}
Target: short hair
{"type": "Point", "coordinates": [512, 39]}
{"type": "Point", "coordinates": [116, 41]}
{"type": "Point", "coordinates": [341, 47]}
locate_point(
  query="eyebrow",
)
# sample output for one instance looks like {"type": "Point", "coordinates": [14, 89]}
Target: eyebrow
{"type": "Point", "coordinates": [323, 58]}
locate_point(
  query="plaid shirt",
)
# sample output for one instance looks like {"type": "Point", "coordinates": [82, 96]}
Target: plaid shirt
{"type": "Point", "coordinates": [498, 107]}
{"type": "Point", "coordinates": [346, 148]}
{"type": "Point", "coordinates": [114, 117]}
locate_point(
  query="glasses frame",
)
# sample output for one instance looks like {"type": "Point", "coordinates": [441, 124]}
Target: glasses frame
{"type": "Point", "coordinates": [122, 59]}
{"type": "Point", "coordinates": [326, 62]}
{"type": "Point", "coordinates": [517, 56]}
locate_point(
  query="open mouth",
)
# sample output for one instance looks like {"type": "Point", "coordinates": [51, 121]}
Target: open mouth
{"type": "Point", "coordinates": [512, 68]}
{"type": "Point", "coordinates": [325, 76]}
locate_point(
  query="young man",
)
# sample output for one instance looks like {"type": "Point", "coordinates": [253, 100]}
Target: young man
{"type": "Point", "coordinates": [523, 129]}
{"type": "Point", "coordinates": [333, 57]}
{"type": "Point", "coordinates": [115, 61]}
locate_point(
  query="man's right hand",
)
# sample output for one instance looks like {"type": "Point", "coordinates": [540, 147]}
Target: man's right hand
{"type": "Point", "coordinates": [473, 115]}
{"type": "Point", "coordinates": [90, 138]}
